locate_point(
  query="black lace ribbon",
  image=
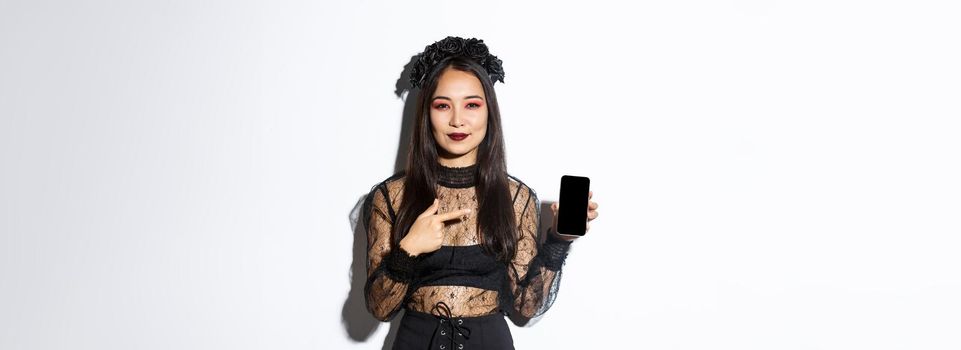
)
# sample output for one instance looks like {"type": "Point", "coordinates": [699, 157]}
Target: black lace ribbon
{"type": "Point", "coordinates": [449, 326]}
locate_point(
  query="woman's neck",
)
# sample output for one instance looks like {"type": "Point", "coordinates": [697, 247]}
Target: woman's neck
{"type": "Point", "coordinates": [464, 160]}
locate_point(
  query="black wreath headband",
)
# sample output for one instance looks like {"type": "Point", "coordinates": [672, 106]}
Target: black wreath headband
{"type": "Point", "coordinates": [472, 48]}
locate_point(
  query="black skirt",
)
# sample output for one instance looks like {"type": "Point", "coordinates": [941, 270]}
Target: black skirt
{"type": "Point", "coordinates": [439, 331]}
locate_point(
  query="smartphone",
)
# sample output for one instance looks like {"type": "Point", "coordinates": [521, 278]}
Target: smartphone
{"type": "Point", "coordinates": [572, 205]}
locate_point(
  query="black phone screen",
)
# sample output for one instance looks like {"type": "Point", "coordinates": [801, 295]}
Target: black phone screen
{"type": "Point", "coordinates": [572, 205]}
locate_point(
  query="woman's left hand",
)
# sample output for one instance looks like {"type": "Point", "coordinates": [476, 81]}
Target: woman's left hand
{"type": "Point", "coordinates": [591, 215]}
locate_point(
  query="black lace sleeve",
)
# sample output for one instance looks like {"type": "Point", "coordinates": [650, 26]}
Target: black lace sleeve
{"type": "Point", "coordinates": [535, 273]}
{"type": "Point", "coordinates": [389, 272]}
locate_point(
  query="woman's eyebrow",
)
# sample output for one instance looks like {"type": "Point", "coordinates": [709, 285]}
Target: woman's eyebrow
{"type": "Point", "coordinates": [467, 97]}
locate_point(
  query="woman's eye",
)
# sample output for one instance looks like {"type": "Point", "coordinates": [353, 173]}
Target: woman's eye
{"type": "Point", "coordinates": [469, 105]}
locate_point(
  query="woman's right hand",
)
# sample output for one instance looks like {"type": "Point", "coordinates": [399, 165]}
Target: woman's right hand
{"type": "Point", "coordinates": [427, 232]}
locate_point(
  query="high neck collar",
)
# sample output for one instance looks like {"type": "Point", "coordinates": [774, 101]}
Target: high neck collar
{"type": "Point", "coordinates": [457, 177]}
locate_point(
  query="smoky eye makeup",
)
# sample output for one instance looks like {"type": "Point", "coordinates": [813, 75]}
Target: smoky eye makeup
{"type": "Point", "coordinates": [444, 103]}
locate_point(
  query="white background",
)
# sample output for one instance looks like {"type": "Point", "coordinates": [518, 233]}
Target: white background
{"type": "Point", "coordinates": [770, 174]}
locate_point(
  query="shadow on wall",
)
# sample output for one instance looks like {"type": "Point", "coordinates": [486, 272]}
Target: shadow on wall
{"type": "Point", "coordinates": [358, 322]}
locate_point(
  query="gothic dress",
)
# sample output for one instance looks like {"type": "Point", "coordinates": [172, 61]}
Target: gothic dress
{"type": "Point", "coordinates": [458, 296]}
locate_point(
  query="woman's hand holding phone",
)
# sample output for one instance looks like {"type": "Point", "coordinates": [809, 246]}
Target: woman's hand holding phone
{"type": "Point", "coordinates": [591, 215]}
{"type": "Point", "coordinates": [427, 233]}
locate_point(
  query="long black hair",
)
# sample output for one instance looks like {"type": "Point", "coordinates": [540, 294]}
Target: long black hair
{"type": "Point", "coordinates": [496, 223]}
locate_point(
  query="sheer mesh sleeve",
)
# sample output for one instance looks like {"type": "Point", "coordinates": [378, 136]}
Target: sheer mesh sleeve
{"type": "Point", "coordinates": [389, 272]}
{"type": "Point", "coordinates": [535, 273]}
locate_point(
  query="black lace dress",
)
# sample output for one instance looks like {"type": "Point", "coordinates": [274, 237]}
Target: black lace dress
{"type": "Point", "coordinates": [456, 297]}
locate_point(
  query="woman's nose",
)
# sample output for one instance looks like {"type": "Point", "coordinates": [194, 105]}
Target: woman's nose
{"type": "Point", "coordinates": [455, 117]}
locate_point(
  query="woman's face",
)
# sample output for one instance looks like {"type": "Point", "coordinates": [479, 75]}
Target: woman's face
{"type": "Point", "coordinates": [458, 106]}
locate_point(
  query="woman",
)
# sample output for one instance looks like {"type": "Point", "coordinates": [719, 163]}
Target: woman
{"type": "Point", "coordinates": [454, 239]}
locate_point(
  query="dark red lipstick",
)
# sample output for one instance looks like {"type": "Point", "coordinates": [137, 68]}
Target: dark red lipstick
{"type": "Point", "coordinates": [457, 136]}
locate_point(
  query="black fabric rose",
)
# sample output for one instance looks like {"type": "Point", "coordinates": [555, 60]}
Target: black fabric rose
{"type": "Point", "coordinates": [432, 56]}
{"type": "Point", "coordinates": [495, 69]}
{"type": "Point", "coordinates": [451, 45]}
{"type": "Point", "coordinates": [416, 72]}
{"type": "Point", "coordinates": [476, 49]}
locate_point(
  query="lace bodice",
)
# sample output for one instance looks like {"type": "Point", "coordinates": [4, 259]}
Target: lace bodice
{"type": "Point", "coordinates": [460, 273]}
